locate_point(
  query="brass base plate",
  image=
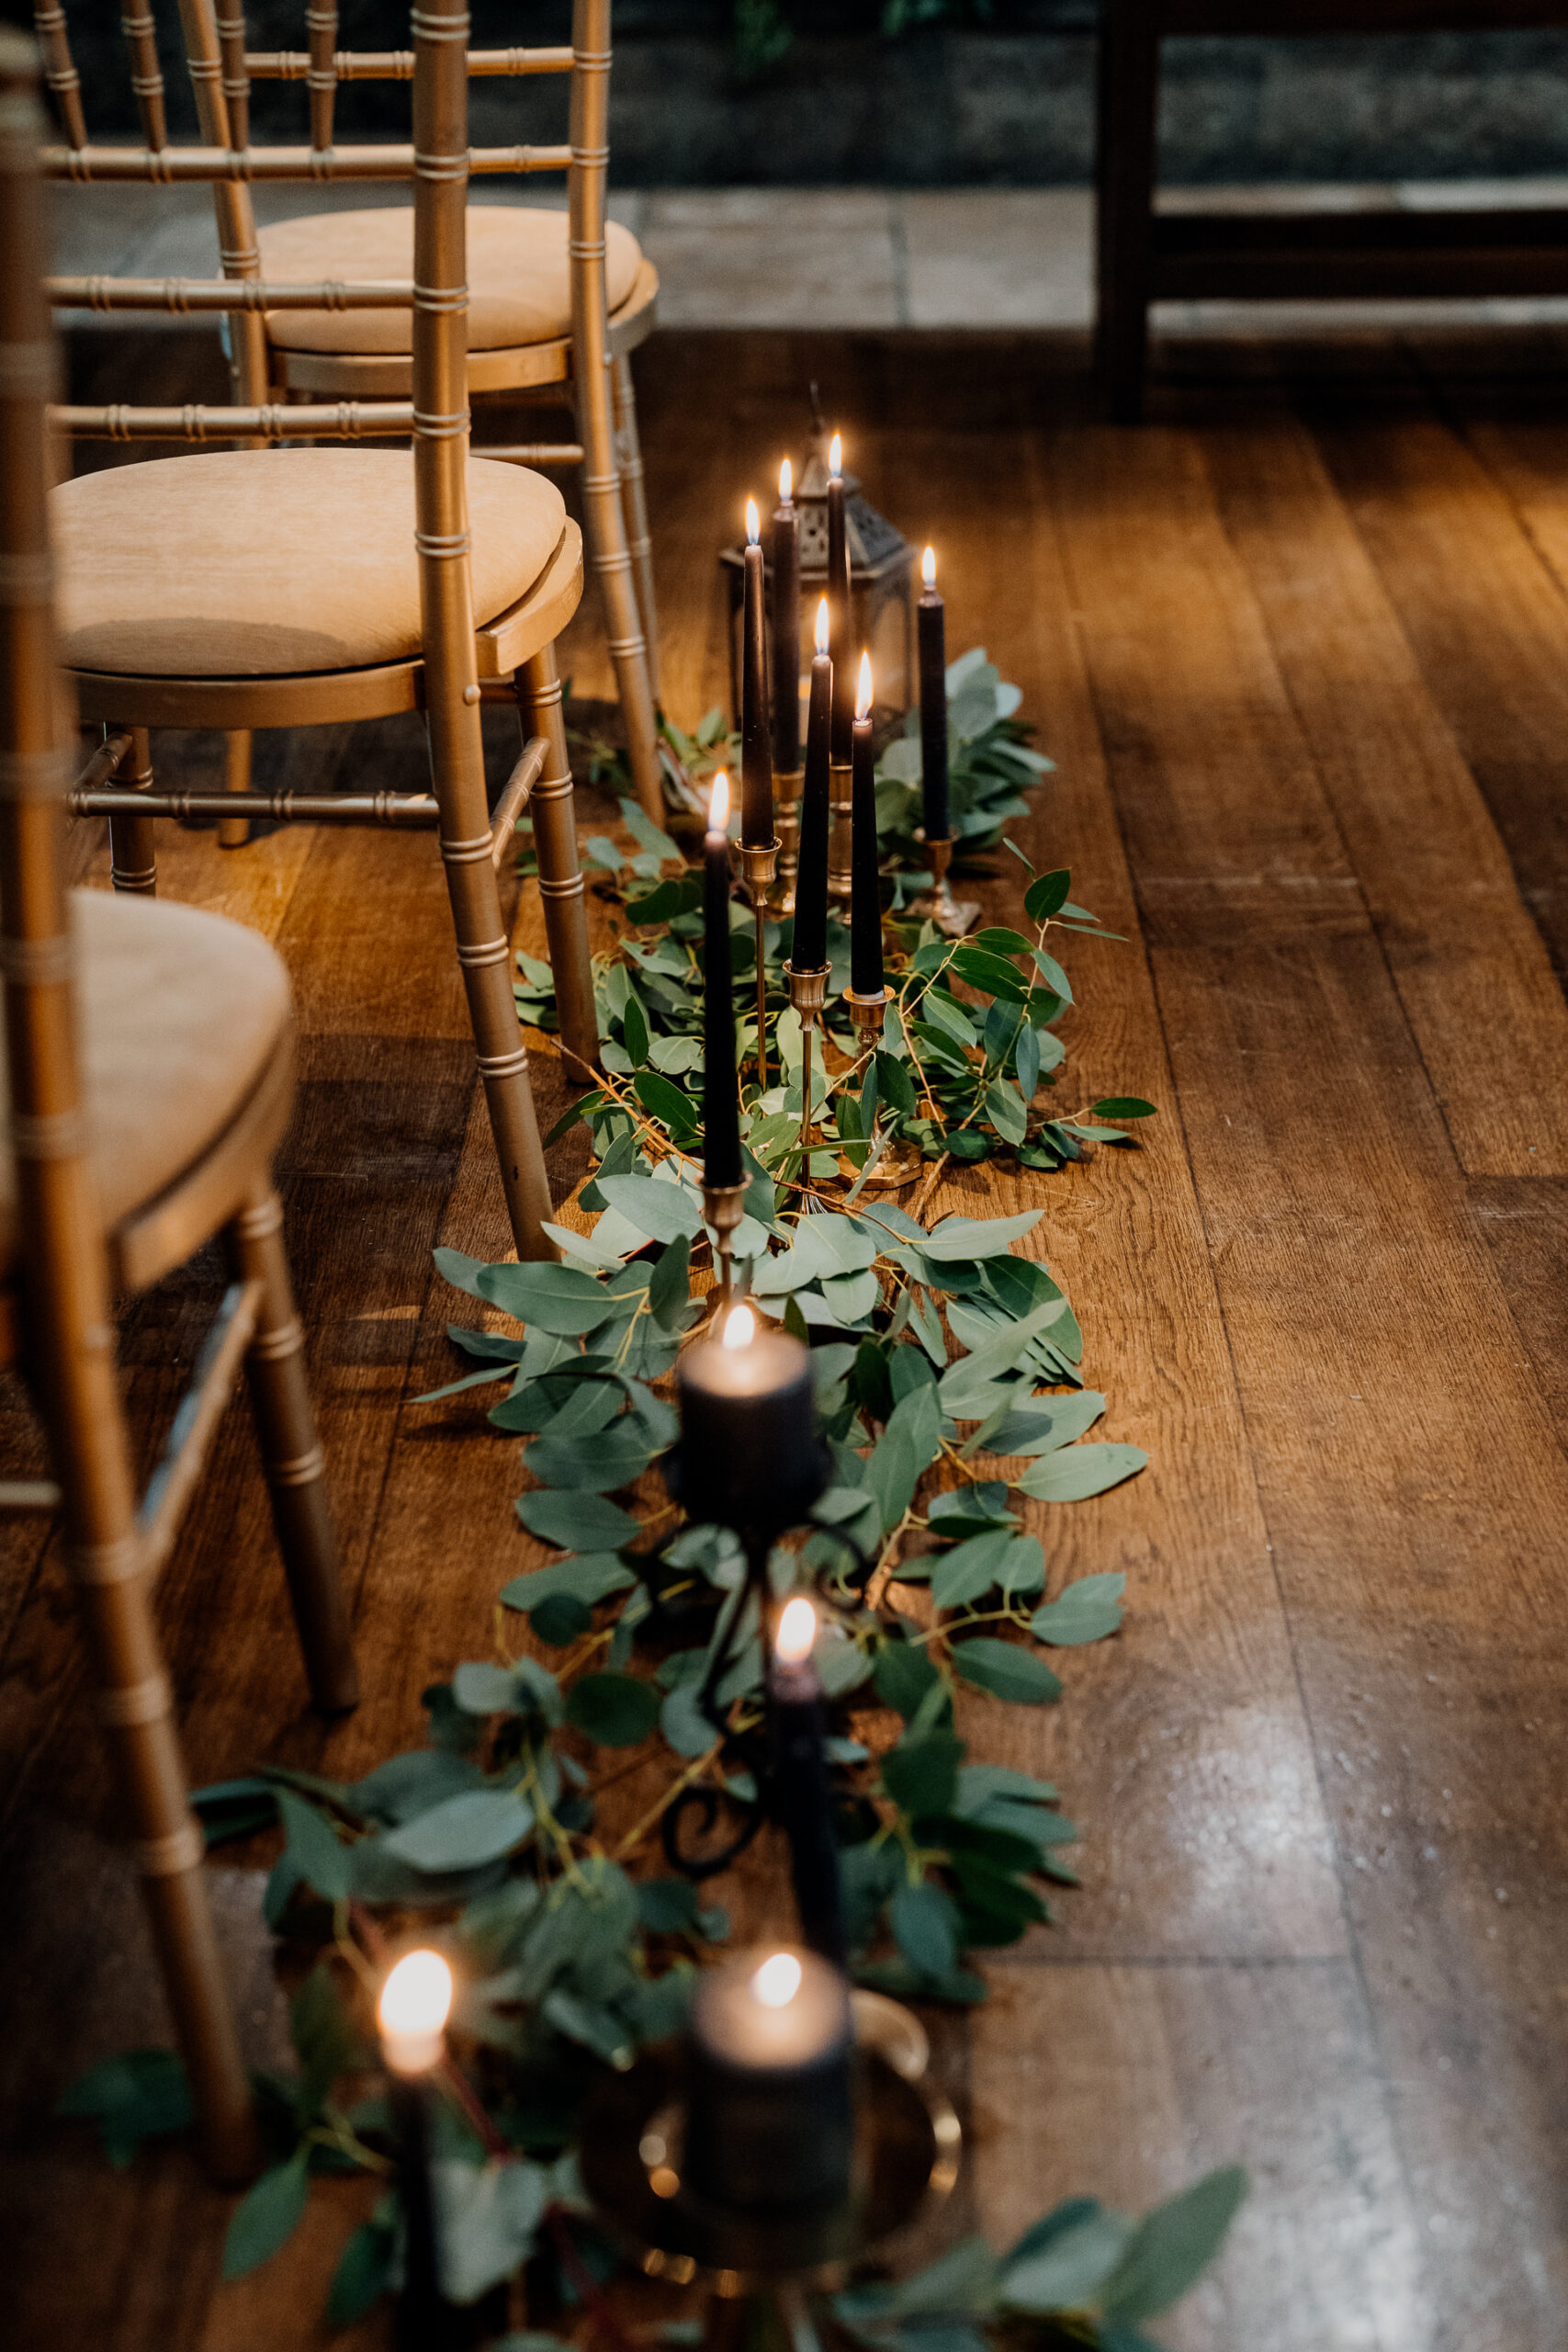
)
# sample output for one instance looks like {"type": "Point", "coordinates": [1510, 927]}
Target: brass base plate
{"type": "Point", "coordinates": [907, 2148]}
{"type": "Point", "coordinates": [953, 916]}
{"type": "Point", "coordinates": [898, 1167]}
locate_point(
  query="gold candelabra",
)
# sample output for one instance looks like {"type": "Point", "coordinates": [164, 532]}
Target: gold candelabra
{"type": "Point", "coordinates": [841, 830]}
{"type": "Point", "coordinates": [808, 993]}
{"type": "Point", "coordinates": [953, 916]}
{"type": "Point", "coordinates": [788, 786]}
{"type": "Point", "coordinates": [888, 1164]}
{"type": "Point", "coordinates": [724, 1206]}
{"type": "Point", "coordinates": [760, 867]}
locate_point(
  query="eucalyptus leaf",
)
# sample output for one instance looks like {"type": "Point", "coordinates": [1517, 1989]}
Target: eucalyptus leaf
{"type": "Point", "coordinates": [576, 1518]}
{"type": "Point", "coordinates": [661, 1212]}
{"type": "Point", "coordinates": [966, 1236]}
{"type": "Point", "coordinates": [462, 1833]}
{"type": "Point", "coordinates": [1084, 1611]}
{"type": "Point", "coordinates": [1172, 2246]}
{"type": "Point", "coordinates": [267, 2215]}
{"type": "Point", "coordinates": [925, 1927]}
{"type": "Point", "coordinates": [1079, 1471]}
{"type": "Point", "coordinates": [1006, 1671]}
{"type": "Point", "coordinates": [615, 1709]}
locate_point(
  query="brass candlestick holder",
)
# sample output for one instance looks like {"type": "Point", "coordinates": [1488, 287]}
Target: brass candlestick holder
{"type": "Point", "coordinates": [953, 916]}
{"type": "Point", "coordinates": [841, 831]}
{"type": "Point", "coordinates": [760, 867]}
{"type": "Point", "coordinates": [888, 1164]}
{"type": "Point", "coordinates": [808, 993]}
{"type": "Point", "coordinates": [765, 2266]}
{"type": "Point", "coordinates": [788, 786]}
{"type": "Point", "coordinates": [724, 1206]}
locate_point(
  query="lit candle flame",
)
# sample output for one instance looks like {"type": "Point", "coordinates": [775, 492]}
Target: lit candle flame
{"type": "Point", "coordinates": [862, 692]}
{"type": "Point", "coordinates": [753, 532]}
{"type": "Point", "coordinates": [718, 804]}
{"type": "Point", "coordinates": [796, 1636]}
{"type": "Point", "coordinates": [928, 568]}
{"type": "Point", "coordinates": [836, 456]}
{"type": "Point", "coordinates": [415, 2003]}
{"type": "Point", "coordinates": [777, 1981]}
{"type": "Point", "coordinates": [740, 1327]}
{"type": "Point", "coordinates": [822, 625]}
{"type": "Point", "coordinates": [787, 483]}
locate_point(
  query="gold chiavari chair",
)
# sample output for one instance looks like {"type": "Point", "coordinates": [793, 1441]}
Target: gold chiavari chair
{"type": "Point", "coordinates": [285, 587]}
{"type": "Point", "coordinates": [147, 1079]}
{"type": "Point", "coordinates": [554, 302]}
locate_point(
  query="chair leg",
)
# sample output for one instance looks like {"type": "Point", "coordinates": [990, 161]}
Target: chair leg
{"type": "Point", "coordinates": [634, 504]}
{"type": "Point", "coordinates": [135, 1706]}
{"type": "Point", "coordinates": [133, 858]}
{"type": "Point", "coordinates": [1124, 175]}
{"type": "Point", "coordinates": [612, 565]}
{"type": "Point", "coordinates": [484, 954]}
{"type": "Point", "coordinates": [292, 1457]}
{"type": "Point", "coordinates": [538, 688]}
{"type": "Point", "coordinates": [233, 832]}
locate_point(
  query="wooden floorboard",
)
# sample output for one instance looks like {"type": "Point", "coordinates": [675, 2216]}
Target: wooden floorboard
{"type": "Point", "coordinates": [1299, 653]}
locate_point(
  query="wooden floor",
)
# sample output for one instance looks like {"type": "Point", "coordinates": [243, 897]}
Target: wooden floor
{"type": "Point", "coordinates": [1300, 649]}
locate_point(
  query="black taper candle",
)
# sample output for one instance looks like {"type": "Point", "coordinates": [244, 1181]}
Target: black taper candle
{"type": "Point", "coordinates": [785, 672]}
{"type": "Point", "coordinates": [840, 615]}
{"type": "Point", "coordinates": [865, 895]}
{"type": "Point", "coordinates": [932, 622]}
{"type": "Point", "coordinates": [756, 766]}
{"type": "Point", "coordinates": [721, 1085]}
{"type": "Point", "coordinates": [425, 2321]}
{"type": "Point", "coordinates": [803, 1792]}
{"type": "Point", "coordinates": [411, 2013]}
{"type": "Point", "coordinates": [810, 949]}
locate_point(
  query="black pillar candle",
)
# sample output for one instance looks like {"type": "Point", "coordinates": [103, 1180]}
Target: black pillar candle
{"type": "Point", "coordinates": [932, 622]}
{"type": "Point", "coordinates": [839, 617]}
{"type": "Point", "coordinates": [416, 2001]}
{"type": "Point", "coordinates": [750, 1455]}
{"type": "Point", "coordinates": [786, 628]}
{"type": "Point", "coordinates": [721, 1087]}
{"type": "Point", "coordinates": [770, 2117]}
{"type": "Point", "coordinates": [865, 897]}
{"type": "Point", "coordinates": [803, 1792]}
{"type": "Point", "coordinates": [756, 767]}
{"type": "Point", "coordinates": [810, 949]}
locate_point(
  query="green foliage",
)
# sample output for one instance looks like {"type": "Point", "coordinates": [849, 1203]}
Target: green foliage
{"type": "Point", "coordinates": [140, 2095]}
{"type": "Point", "coordinates": [932, 1347]}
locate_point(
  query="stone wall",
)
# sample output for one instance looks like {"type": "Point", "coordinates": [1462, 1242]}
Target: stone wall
{"type": "Point", "coordinates": [1010, 105]}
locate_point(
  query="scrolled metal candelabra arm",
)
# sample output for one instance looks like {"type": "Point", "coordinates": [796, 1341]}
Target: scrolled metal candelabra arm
{"type": "Point", "coordinates": [953, 916]}
{"type": "Point", "coordinates": [750, 1750]}
{"type": "Point", "coordinates": [759, 868]}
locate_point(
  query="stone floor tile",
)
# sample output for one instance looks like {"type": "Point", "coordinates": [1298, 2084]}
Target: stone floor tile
{"type": "Point", "coordinates": [756, 257]}
{"type": "Point", "coordinates": [998, 257]}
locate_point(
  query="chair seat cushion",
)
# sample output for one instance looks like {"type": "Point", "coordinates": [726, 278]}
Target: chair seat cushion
{"type": "Point", "coordinates": [519, 275]}
{"type": "Point", "coordinates": [178, 1015]}
{"type": "Point", "coordinates": [257, 563]}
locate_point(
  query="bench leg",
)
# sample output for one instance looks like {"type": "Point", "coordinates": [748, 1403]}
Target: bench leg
{"type": "Point", "coordinates": [1124, 189]}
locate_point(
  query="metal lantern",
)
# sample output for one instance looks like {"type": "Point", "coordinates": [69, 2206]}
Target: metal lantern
{"type": "Point", "coordinates": [882, 565]}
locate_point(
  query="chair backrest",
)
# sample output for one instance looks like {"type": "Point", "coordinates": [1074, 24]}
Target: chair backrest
{"type": "Point", "coordinates": [223, 69]}
{"type": "Point", "coordinates": [61, 1251]}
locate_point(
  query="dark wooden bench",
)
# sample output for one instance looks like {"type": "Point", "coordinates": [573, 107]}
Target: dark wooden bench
{"type": "Point", "coordinates": [1144, 256]}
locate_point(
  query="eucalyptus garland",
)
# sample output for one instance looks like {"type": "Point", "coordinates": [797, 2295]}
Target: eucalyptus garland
{"type": "Point", "coordinates": [948, 1385]}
